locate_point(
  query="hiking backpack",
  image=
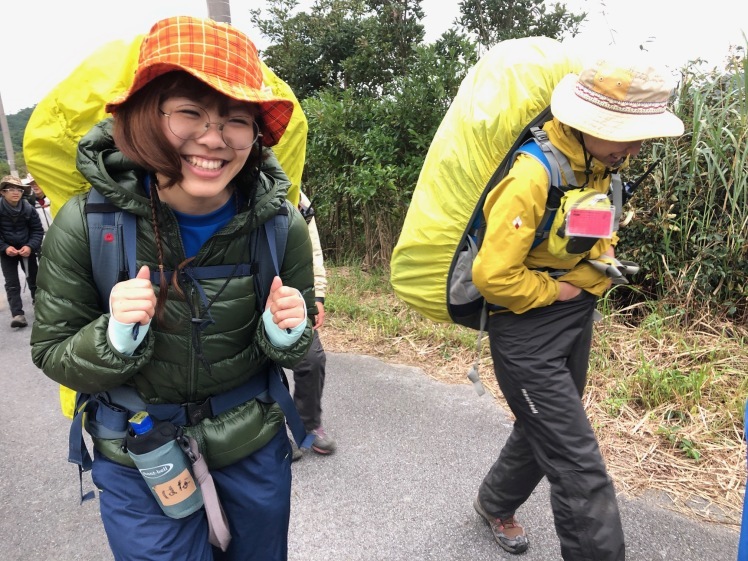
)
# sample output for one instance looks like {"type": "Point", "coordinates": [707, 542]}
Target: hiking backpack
{"type": "Point", "coordinates": [497, 113]}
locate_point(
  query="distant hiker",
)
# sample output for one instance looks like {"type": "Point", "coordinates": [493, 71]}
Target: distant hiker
{"type": "Point", "coordinates": [39, 201]}
{"type": "Point", "coordinates": [309, 374]}
{"type": "Point", "coordinates": [193, 337]}
{"type": "Point", "coordinates": [542, 306]}
{"type": "Point", "coordinates": [21, 236]}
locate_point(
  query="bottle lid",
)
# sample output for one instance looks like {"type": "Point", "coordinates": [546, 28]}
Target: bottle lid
{"type": "Point", "coordinates": [141, 422]}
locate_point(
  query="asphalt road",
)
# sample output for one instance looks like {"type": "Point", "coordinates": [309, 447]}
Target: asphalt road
{"type": "Point", "coordinates": [411, 454]}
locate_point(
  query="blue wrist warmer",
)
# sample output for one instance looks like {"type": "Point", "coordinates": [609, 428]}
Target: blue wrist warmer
{"type": "Point", "coordinates": [281, 338]}
{"type": "Point", "coordinates": [121, 335]}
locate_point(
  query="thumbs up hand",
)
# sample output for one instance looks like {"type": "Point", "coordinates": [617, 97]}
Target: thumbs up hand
{"type": "Point", "coordinates": [134, 300]}
{"type": "Point", "coordinates": [286, 305]}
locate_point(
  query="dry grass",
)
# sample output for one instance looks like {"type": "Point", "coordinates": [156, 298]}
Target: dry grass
{"type": "Point", "coordinates": [688, 449]}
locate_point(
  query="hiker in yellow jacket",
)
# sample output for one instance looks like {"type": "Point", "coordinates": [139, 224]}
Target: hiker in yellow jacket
{"type": "Point", "coordinates": [544, 302]}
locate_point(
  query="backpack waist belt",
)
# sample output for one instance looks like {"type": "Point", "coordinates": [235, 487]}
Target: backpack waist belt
{"type": "Point", "coordinates": [106, 414]}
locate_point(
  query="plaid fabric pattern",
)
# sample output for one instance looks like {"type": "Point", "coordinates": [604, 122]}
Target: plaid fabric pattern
{"type": "Point", "coordinates": [218, 54]}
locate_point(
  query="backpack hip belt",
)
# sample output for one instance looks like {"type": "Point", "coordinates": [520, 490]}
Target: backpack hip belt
{"type": "Point", "coordinates": [105, 414]}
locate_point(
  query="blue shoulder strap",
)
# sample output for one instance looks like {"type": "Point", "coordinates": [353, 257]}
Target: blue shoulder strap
{"type": "Point", "coordinates": [533, 149]}
{"type": "Point", "coordinates": [111, 239]}
{"type": "Point", "coordinates": [276, 233]}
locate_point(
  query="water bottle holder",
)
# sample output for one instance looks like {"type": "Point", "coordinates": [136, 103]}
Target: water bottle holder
{"type": "Point", "coordinates": [167, 472]}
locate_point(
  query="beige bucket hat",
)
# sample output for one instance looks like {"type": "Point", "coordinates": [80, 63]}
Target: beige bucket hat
{"type": "Point", "coordinates": [616, 102]}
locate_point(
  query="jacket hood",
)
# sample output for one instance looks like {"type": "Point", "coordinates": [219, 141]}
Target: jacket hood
{"type": "Point", "coordinates": [120, 180]}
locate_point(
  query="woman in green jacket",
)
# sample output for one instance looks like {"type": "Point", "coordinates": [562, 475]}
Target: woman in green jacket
{"type": "Point", "coordinates": [184, 154]}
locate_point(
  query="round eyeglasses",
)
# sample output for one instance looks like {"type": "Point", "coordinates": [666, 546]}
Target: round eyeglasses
{"type": "Point", "coordinates": [190, 122]}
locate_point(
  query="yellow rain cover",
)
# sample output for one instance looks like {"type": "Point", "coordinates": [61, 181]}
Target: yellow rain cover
{"type": "Point", "coordinates": [76, 104]}
{"type": "Point", "coordinates": [507, 88]}
{"type": "Point", "coordinates": [67, 113]}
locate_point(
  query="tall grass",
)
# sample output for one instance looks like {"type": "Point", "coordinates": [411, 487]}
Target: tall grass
{"type": "Point", "coordinates": [690, 234]}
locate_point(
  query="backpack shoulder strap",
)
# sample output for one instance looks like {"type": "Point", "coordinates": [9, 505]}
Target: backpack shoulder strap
{"type": "Point", "coordinates": [273, 248]}
{"type": "Point", "coordinates": [269, 245]}
{"type": "Point", "coordinates": [532, 148]}
{"type": "Point", "coordinates": [112, 241]}
{"type": "Point", "coordinates": [560, 176]}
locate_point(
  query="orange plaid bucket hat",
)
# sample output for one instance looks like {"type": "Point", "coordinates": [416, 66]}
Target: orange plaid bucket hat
{"type": "Point", "coordinates": [219, 55]}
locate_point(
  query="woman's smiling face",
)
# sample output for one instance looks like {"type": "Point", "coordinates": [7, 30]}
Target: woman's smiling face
{"type": "Point", "coordinates": [196, 128]}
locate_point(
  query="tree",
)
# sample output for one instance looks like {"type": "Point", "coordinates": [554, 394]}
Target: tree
{"type": "Point", "coordinates": [491, 21]}
{"type": "Point", "coordinates": [365, 153]}
{"type": "Point", "coordinates": [340, 44]}
{"type": "Point", "coordinates": [374, 96]}
{"type": "Point", "coordinates": [349, 62]}
{"type": "Point", "coordinates": [16, 127]}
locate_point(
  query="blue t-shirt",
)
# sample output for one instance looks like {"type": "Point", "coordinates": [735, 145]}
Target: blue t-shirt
{"type": "Point", "coordinates": [196, 229]}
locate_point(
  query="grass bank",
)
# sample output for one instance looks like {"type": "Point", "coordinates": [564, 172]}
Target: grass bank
{"type": "Point", "coordinates": [666, 402]}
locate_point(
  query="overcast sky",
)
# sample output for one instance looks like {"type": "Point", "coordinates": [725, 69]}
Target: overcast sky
{"type": "Point", "coordinates": [44, 41]}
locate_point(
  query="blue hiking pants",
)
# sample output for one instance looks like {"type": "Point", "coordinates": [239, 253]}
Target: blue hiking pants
{"type": "Point", "coordinates": [256, 497]}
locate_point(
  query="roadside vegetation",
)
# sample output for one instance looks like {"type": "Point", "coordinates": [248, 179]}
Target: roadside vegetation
{"type": "Point", "coordinates": [666, 400]}
{"type": "Point", "coordinates": [668, 375]}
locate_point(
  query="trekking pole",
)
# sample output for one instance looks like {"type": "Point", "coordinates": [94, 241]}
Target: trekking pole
{"type": "Point", "coordinates": [25, 266]}
{"type": "Point", "coordinates": [44, 212]}
{"type": "Point", "coordinates": [473, 374]}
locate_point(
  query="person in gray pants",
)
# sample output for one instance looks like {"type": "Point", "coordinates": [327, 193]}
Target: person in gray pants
{"type": "Point", "coordinates": [542, 299]}
{"type": "Point", "coordinates": [309, 374]}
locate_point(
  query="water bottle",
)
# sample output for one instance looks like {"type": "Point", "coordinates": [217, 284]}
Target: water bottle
{"type": "Point", "coordinates": [155, 448]}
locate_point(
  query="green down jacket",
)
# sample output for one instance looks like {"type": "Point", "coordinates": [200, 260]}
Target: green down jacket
{"type": "Point", "coordinates": [69, 337]}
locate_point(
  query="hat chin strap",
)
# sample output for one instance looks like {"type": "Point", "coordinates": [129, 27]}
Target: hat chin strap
{"type": "Point", "coordinates": [587, 161]}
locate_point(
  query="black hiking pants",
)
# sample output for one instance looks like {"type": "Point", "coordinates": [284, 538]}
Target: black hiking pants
{"type": "Point", "coordinates": [309, 382]}
{"type": "Point", "coordinates": [541, 359]}
{"type": "Point", "coordinates": [12, 280]}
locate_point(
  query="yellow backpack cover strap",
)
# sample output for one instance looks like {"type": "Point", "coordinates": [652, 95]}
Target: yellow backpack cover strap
{"type": "Point", "coordinates": [67, 113]}
{"type": "Point", "coordinates": [500, 95]}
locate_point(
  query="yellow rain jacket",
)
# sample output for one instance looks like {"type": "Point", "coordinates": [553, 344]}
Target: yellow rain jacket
{"type": "Point", "coordinates": [76, 104]}
{"type": "Point", "coordinates": [504, 269]}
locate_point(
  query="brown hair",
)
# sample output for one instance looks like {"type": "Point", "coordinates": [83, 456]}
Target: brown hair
{"type": "Point", "coordinates": [138, 134]}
